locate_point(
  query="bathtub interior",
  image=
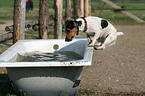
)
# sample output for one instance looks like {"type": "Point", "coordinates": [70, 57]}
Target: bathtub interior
{"type": "Point", "coordinates": [22, 47]}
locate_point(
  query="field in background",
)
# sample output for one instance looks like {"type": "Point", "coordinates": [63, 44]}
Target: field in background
{"type": "Point", "coordinates": [6, 11]}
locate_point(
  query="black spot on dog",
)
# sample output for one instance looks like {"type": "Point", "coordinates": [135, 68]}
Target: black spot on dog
{"type": "Point", "coordinates": [104, 23]}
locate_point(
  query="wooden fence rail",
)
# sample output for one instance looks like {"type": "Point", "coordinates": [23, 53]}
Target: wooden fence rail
{"type": "Point", "coordinates": [6, 36]}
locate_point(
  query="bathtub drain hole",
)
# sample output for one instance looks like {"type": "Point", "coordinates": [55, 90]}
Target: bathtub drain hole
{"type": "Point", "coordinates": [55, 47]}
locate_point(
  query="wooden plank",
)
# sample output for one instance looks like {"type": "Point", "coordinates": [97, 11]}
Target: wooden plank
{"type": "Point", "coordinates": [89, 13]}
{"type": "Point", "coordinates": [16, 19]}
{"type": "Point", "coordinates": [22, 20]}
{"type": "Point", "coordinates": [43, 18]}
{"type": "Point", "coordinates": [76, 9]}
{"type": "Point", "coordinates": [58, 19]}
{"type": "Point", "coordinates": [86, 7]}
{"type": "Point", "coordinates": [102, 9]}
{"type": "Point", "coordinates": [82, 8]}
{"type": "Point", "coordinates": [124, 12]}
{"type": "Point", "coordinates": [68, 10]}
{"type": "Point", "coordinates": [6, 36]}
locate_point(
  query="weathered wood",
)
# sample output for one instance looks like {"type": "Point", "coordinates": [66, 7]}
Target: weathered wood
{"type": "Point", "coordinates": [9, 28]}
{"type": "Point", "coordinates": [22, 20]}
{"type": "Point", "coordinates": [58, 19]}
{"type": "Point", "coordinates": [68, 10]}
{"type": "Point", "coordinates": [6, 36]}
{"type": "Point", "coordinates": [89, 8]}
{"type": "Point", "coordinates": [31, 24]}
{"type": "Point", "coordinates": [82, 8]}
{"type": "Point", "coordinates": [17, 33]}
{"type": "Point", "coordinates": [124, 12]}
{"type": "Point", "coordinates": [102, 9]}
{"type": "Point", "coordinates": [76, 8]}
{"type": "Point", "coordinates": [43, 18]}
{"type": "Point", "coordinates": [16, 19]}
{"type": "Point", "coordinates": [36, 26]}
{"type": "Point", "coordinates": [86, 7]}
{"type": "Point", "coordinates": [27, 25]}
{"type": "Point", "coordinates": [122, 9]}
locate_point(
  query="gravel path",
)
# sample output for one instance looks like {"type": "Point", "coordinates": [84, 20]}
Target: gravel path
{"type": "Point", "coordinates": [119, 68]}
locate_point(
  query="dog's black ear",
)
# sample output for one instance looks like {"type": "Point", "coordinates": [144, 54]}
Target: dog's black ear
{"type": "Point", "coordinates": [70, 24]}
{"type": "Point", "coordinates": [66, 22]}
{"type": "Point", "coordinates": [79, 23]}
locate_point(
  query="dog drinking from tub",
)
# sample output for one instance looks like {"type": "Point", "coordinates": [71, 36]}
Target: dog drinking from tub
{"type": "Point", "coordinates": [100, 32]}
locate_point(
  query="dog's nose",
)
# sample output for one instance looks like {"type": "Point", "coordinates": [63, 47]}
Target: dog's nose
{"type": "Point", "coordinates": [68, 39]}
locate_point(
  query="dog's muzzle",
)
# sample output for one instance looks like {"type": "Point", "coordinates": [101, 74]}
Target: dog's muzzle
{"type": "Point", "coordinates": [66, 39]}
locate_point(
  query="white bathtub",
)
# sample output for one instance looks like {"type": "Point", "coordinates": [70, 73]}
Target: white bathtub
{"type": "Point", "coordinates": [47, 78]}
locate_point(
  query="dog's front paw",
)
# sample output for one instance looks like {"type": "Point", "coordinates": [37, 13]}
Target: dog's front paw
{"type": "Point", "coordinates": [90, 45]}
{"type": "Point", "coordinates": [99, 48]}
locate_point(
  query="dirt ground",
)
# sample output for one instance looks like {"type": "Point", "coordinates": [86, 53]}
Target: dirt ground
{"type": "Point", "coordinates": [117, 70]}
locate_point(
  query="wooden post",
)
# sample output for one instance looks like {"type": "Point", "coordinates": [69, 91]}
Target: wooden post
{"type": "Point", "coordinates": [22, 20]}
{"type": "Point", "coordinates": [86, 7]}
{"type": "Point", "coordinates": [89, 8]}
{"type": "Point", "coordinates": [19, 20]}
{"type": "Point", "coordinates": [43, 18]}
{"type": "Point", "coordinates": [76, 8]}
{"type": "Point", "coordinates": [16, 20]}
{"type": "Point", "coordinates": [82, 8]}
{"type": "Point", "coordinates": [58, 19]}
{"type": "Point", "coordinates": [68, 10]}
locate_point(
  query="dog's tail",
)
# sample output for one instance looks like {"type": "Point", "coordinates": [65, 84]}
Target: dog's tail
{"type": "Point", "coordinates": [120, 33]}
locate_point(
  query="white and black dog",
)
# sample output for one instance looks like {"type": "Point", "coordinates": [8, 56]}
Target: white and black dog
{"type": "Point", "coordinates": [100, 32]}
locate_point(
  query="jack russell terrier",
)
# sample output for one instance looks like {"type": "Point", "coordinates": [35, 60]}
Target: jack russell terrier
{"type": "Point", "coordinates": [100, 32]}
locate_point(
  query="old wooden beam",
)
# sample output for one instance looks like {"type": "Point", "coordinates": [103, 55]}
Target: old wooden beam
{"type": "Point", "coordinates": [58, 19]}
{"type": "Point", "coordinates": [124, 12]}
{"type": "Point", "coordinates": [86, 7]}
{"type": "Point", "coordinates": [43, 18]}
{"type": "Point", "coordinates": [5, 36]}
{"type": "Point", "coordinates": [68, 10]}
{"type": "Point", "coordinates": [9, 28]}
{"type": "Point", "coordinates": [102, 9]}
{"type": "Point", "coordinates": [89, 13]}
{"type": "Point", "coordinates": [82, 8]}
{"type": "Point", "coordinates": [19, 20]}
{"type": "Point", "coordinates": [22, 20]}
{"type": "Point", "coordinates": [16, 19]}
{"type": "Point", "coordinates": [76, 9]}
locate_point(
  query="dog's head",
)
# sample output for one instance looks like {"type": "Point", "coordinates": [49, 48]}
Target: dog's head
{"type": "Point", "coordinates": [72, 29]}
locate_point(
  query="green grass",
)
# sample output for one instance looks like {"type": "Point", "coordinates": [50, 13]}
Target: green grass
{"type": "Point", "coordinates": [2, 22]}
{"type": "Point", "coordinates": [117, 17]}
{"type": "Point", "coordinates": [6, 11]}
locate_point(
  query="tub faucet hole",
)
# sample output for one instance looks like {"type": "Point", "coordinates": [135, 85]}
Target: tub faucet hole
{"type": "Point", "coordinates": [56, 47]}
